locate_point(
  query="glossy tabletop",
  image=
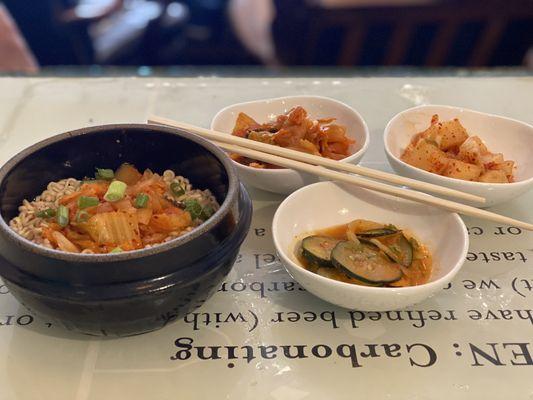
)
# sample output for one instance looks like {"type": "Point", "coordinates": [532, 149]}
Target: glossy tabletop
{"type": "Point", "coordinates": [262, 336]}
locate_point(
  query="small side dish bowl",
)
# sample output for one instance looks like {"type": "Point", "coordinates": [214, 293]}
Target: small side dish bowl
{"type": "Point", "coordinates": [512, 138]}
{"type": "Point", "coordinates": [286, 181]}
{"type": "Point", "coordinates": [327, 204]}
{"type": "Point", "coordinates": [128, 292]}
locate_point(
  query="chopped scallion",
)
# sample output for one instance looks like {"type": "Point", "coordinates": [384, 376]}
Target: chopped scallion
{"type": "Point", "coordinates": [116, 191]}
{"type": "Point", "coordinates": [207, 211]}
{"type": "Point", "coordinates": [87, 201]}
{"type": "Point", "coordinates": [48, 213]}
{"type": "Point", "coordinates": [105, 174]}
{"type": "Point", "coordinates": [141, 200]}
{"type": "Point", "coordinates": [176, 189]}
{"type": "Point", "coordinates": [193, 207]}
{"type": "Point", "coordinates": [82, 216]}
{"type": "Point", "coordinates": [116, 250]}
{"type": "Point", "coordinates": [62, 216]}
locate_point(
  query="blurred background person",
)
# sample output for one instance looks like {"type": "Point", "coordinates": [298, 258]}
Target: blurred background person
{"type": "Point", "coordinates": [14, 53]}
{"type": "Point", "coordinates": [252, 22]}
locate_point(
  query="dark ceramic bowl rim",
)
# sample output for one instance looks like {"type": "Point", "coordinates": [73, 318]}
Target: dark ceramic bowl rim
{"type": "Point", "coordinates": [133, 254]}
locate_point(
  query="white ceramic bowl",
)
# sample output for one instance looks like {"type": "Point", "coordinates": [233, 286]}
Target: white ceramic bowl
{"type": "Point", "coordinates": [327, 204]}
{"type": "Point", "coordinates": [286, 181]}
{"type": "Point", "coordinates": [501, 135]}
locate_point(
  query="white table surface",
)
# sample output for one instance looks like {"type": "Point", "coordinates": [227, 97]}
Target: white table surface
{"type": "Point", "coordinates": [474, 358]}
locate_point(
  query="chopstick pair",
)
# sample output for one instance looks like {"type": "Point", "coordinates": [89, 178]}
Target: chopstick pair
{"type": "Point", "coordinates": [315, 165]}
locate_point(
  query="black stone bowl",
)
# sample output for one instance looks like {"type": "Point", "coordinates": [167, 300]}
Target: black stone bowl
{"type": "Point", "coordinates": [131, 292]}
{"type": "Point", "coordinates": [124, 309]}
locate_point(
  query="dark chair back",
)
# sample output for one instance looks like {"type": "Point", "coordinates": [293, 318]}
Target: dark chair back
{"type": "Point", "coordinates": [466, 32]}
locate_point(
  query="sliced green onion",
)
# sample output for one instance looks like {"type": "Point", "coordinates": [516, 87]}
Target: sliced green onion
{"type": "Point", "coordinates": [176, 189]}
{"type": "Point", "coordinates": [87, 201]}
{"type": "Point", "coordinates": [62, 216]}
{"type": "Point", "coordinates": [116, 250]}
{"type": "Point", "coordinates": [105, 174]}
{"type": "Point", "coordinates": [82, 216]}
{"type": "Point", "coordinates": [193, 207]}
{"type": "Point", "coordinates": [48, 213]}
{"type": "Point", "coordinates": [141, 200]}
{"type": "Point", "coordinates": [207, 211]}
{"type": "Point", "coordinates": [116, 191]}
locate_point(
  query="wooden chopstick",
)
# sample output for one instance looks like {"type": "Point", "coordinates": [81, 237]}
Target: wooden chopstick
{"type": "Point", "coordinates": [377, 186]}
{"type": "Point", "coordinates": [316, 160]}
{"type": "Point", "coordinates": [362, 182]}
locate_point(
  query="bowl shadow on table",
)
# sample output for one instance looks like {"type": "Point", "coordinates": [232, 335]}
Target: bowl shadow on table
{"type": "Point", "coordinates": [46, 328]}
